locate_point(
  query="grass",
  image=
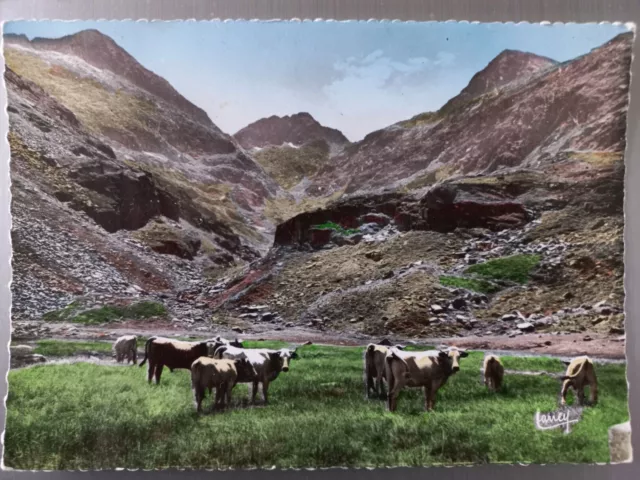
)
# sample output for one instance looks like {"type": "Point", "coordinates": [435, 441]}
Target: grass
{"type": "Point", "coordinates": [515, 268]}
{"type": "Point", "coordinates": [95, 107]}
{"type": "Point", "coordinates": [57, 348]}
{"type": "Point", "coordinates": [61, 417]}
{"type": "Point", "coordinates": [476, 285]}
{"type": "Point", "coordinates": [105, 314]}
{"type": "Point", "coordinates": [336, 227]}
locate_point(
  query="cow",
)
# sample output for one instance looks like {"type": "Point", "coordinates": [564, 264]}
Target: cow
{"type": "Point", "coordinates": [221, 374]}
{"type": "Point", "coordinates": [428, 369]}
{"type": "Point", "coordinates": [374, 355]}
{"type": "Point", "coordinates": [579, 374]}
{"type": "Point", "coordinates": [175, 354]}
{"type": "Point", "coordinates": [126, 347]}
{"type": "Point", "coordinates": [493, 372]}
{"type": "Point", "coordinates": [267, 363]}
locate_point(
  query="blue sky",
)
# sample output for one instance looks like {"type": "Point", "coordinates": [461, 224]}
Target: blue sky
{"type": "Point", "coordinates": [356, 76]}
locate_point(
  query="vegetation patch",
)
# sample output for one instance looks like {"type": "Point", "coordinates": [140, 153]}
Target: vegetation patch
{"type": "Point", "coordinates": [96, 107]}
{"type": "Point", "coordinates": [317, 417]}
{"type": "Point", "coordinates": [516, 268]}
{"type": "Point", "coordinates": [290, 165]}
{"type": "Point", "coordinates": [473, 284]}
{"type": "Point", "coordinates": [597, 158]}
{"type": "Point", "coordinates": [75, 313]}
{"type": "Point", "coordinates": [57, 348]}
{"type": "Point", "coordinates": [334, 226]}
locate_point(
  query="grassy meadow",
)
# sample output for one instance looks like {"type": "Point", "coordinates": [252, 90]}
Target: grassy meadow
{"type": "Point", "coordinates": [86, 416]}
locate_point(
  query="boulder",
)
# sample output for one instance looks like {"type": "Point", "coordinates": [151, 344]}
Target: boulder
{"type": "Point", "coordinates": [526, 327]}
{"type": "Point", "coordinates": [620, 450]}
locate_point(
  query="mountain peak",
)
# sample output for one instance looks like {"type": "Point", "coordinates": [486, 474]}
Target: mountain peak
{"type": "Point", "coordinates": [509, 65]}
{"type": "Point", "coordinates": [298, 128]}
{"type": "Point", "coordinates": [101, 51]}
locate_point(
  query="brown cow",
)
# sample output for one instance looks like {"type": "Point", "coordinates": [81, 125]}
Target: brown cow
{"type": "Point", "coordinates": [580, 373]}
{"type": "Point", "coordinates": [175, 354]}
{"type": "Point", "coordinates": [493, 372]}
{"type": "Point", "coordinates": [223, 375]}
{"type": "Point", "coordinates": [429, 369]}
{"type": "Point", "coordinates": [374, 369]}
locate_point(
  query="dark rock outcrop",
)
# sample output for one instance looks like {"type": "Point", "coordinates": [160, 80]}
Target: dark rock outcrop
{"type": "Point", "coordinates": [443, 209]}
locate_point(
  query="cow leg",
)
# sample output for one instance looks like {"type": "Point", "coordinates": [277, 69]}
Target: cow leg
{"type": "Point", "coordinates": [198, 395]}
{"type": "Point", "coordinates": [135, 357]}
{"type": "Point", "coordinates": [432, 399]}
{"type": "Point", "coordinates": [254, 392]}
{"type": "Point", "coordinates": [150, 370]}
{"type": "Point", "coordinates": [580, 394]}
{"type": "Point", "coordinates": [229, 389]}
{"type": "Point", "coordinates": [593, 392]}
{"type": "Point", "coordinates": [427, 394]}
{"type": "Point", "coordinates": [159, 368]}
{"type": "Point", "coordinates": [380, 386]}
{"type": "Point", "coordinates": [265, 390]}
{"type": "Point", "coordinates": [563, 394]}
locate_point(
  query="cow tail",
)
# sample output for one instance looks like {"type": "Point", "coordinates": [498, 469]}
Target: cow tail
{"type": "Point", "coordinates": [367, 368]}
{"type": "Point", "coordinates": [146, 350]}
{"type": "Point", "coordinates": [582, 367]}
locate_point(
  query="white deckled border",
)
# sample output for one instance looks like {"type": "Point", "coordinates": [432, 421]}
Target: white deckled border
{"type": "Point", "coordinates": [632, 151]}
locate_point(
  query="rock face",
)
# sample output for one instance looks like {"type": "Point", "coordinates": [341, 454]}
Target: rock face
{"type": "Point", "coordinates": [134, 137]}
{"type": "Point", "coordinates": [442, 209]}
{"type": "Point", "coordinates": [297, 129]}
{"type": "Point", "coordinates": [548, 113]}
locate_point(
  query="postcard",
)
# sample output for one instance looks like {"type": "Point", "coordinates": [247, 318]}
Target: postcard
{"type": "Point", "coordinates": [311, 244]}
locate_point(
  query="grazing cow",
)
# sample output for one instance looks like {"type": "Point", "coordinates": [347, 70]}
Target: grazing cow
{"type": "Point", "coordinates": [374, 369]}
{"type": "Point", "coordinates": [428, 369]}
{"type": "Point", "coordinates": [267, 364]}
{"type": "Point", "coordinates": [126, 347]}
{"type": "Point", "coordinates": [175, 354]}
{"type": "Point", "coordinates": [579, 374]}
{"type": "Point", "coordinates": [208, 373]}
{"type": "Point", "coordinates": [493, 372]}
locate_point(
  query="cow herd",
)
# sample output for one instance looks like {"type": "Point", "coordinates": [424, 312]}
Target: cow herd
{"type": "Point", "coordinates": [221, 364]}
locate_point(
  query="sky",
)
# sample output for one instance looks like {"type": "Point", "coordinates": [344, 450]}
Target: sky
{"type": "Point", "coordinates": [354, 76]}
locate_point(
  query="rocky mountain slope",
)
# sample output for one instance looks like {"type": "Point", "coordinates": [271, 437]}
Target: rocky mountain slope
{"type": "Point", "coordinates": [547, 111]}
{"type": "Point", "coordinates": [500, 215]}
{"type": "Point", "coordinates": [292, 149]}
{"type": "Point", "coordinates": [113, 166]}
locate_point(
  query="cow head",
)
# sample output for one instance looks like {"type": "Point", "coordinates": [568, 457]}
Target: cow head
{"type": "Point", "coordinates": [452, 356]}
{"type": "Point", "coordinates": [282, 358]}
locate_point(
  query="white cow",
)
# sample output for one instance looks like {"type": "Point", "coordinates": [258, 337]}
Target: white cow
{"type": "Point", "coordinates": [429, 369]}
{"type": "Point", "coordinates": [267, 364]}
{"type": "Point", "coordinates": [126, 347]}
